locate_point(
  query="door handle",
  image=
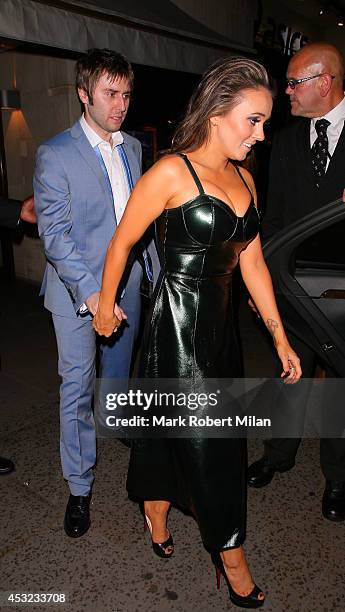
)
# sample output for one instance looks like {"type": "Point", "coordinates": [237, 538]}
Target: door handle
{"type": "Point", "coordinates": [334, 294]}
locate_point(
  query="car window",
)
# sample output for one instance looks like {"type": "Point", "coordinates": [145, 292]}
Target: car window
{"type": "Point", "coordinates": [326, 247]}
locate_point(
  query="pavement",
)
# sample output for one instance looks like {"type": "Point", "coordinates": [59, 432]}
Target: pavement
{"type": "Point", "coordinates": [296, 556]}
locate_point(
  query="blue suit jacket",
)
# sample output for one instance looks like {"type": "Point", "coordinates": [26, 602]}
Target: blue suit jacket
{"type": "Point", "coordinates": [76, 218]}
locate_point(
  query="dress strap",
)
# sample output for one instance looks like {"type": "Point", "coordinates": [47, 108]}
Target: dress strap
{"type": "Point", "coordinates": [193, 173]}
{"type": "Point", "coordinates": [240, 174]}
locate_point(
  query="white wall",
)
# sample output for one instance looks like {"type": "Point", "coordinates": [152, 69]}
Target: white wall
{"type": "Point", "coordinates": [48, 105]}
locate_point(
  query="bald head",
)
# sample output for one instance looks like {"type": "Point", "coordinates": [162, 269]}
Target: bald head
{"type": "Point", "coordinates": [327, 57]}
{"type": "Point", "coordinates": [316, 97]}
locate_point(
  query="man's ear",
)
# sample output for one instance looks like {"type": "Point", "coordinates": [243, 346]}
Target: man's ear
{"type": "Point", "coordinates": [325, 84]}
{"type": "Point", "coordinates": [84, 98]}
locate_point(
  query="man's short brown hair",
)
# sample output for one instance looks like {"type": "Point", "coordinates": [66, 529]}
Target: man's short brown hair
{"type": "Point", "coordinates": [96, 62]}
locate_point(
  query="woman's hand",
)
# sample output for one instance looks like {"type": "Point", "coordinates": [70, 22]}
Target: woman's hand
{"type": "Point", "coordinates": [292, 371]}
{"type": "Point", "coordinates": [106, 325]}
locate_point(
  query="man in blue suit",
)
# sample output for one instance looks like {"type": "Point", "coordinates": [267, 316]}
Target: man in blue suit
{"type": "Point", "coordinates": [82, 182]}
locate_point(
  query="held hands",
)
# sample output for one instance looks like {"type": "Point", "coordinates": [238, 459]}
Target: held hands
{"type": "Point", "coordinates": [291, 365]}
{"type": "Point", "coordinates": [106, 325]}
{"type": "Point", "coordinates": [103, 324]}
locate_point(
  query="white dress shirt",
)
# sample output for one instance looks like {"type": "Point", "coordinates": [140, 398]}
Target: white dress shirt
{"type": "Point", "coordinates": [113, 164]}
{"type": "Point", "coordinates": [336, 117]}
{"type": "Point", "coordinates": [115, 169]}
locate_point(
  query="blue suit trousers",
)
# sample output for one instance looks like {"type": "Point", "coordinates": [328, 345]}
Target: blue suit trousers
{"type": "Point", "coordinates": [76, 341]}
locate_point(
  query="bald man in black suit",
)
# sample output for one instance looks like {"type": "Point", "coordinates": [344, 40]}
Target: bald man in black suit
{"type": "Point", "coordinates": [307, 172]}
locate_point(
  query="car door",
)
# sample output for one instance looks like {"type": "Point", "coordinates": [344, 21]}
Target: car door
{"type": "Point", "coordinates": [307, 264]}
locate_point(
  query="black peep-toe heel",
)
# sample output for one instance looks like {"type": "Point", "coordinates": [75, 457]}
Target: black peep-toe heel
{"type": "Point", "coordinates": [159, 549]}
{"type": "Point", "coordinates": [243, 601]}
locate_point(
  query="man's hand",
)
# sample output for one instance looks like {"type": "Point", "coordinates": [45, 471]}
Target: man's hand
{"type": "Point", "coordinates": [92, 302]}
{"type": "Point", "coordinates": [28, 212]}
{"type": "Point", "coordinates": [344, 195]}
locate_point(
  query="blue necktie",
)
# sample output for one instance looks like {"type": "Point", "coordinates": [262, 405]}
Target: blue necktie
{"type": "Point", "coordinates": [127, 169]}
{"type": "Point", "coordinates": [143, 250]}
{"type": "Point", "coordinates": [106, 175]}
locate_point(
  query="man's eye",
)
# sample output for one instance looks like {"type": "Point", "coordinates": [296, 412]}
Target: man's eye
{"type": "Point", "coordinates": [115, 94]}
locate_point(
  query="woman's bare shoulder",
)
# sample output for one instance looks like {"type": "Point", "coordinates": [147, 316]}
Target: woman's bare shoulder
{"type": "Point", "coordinates": [163, 179]}
{"type": "Point", "coordinates": [170, 166]}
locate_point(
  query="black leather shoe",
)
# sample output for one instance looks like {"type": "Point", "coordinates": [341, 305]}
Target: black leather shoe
{"type": "Point", "coordinates": [261, 472]}
{"type": "Point", "coordinates": [6, 466]}
{"type": "Point", "coordinates": [77, 516]}
{"type": "Point", "coordinates": [333, 501]}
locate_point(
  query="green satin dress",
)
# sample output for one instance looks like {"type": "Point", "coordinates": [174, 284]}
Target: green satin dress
{"type": "Point", "coordinates": [190, 334]}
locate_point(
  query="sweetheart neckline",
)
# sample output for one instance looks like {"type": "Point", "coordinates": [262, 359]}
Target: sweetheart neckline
{"type": "Point", "coordinates": [226, 206]}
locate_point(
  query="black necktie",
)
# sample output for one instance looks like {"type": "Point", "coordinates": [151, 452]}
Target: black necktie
{"type": "Point", "coordinates": [319, 150]}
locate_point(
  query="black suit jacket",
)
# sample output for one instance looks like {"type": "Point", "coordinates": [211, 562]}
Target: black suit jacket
{"type": "Point", "coordinates": [292, 192]}
{"type": "Point", "coordinates": [9, 212]}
